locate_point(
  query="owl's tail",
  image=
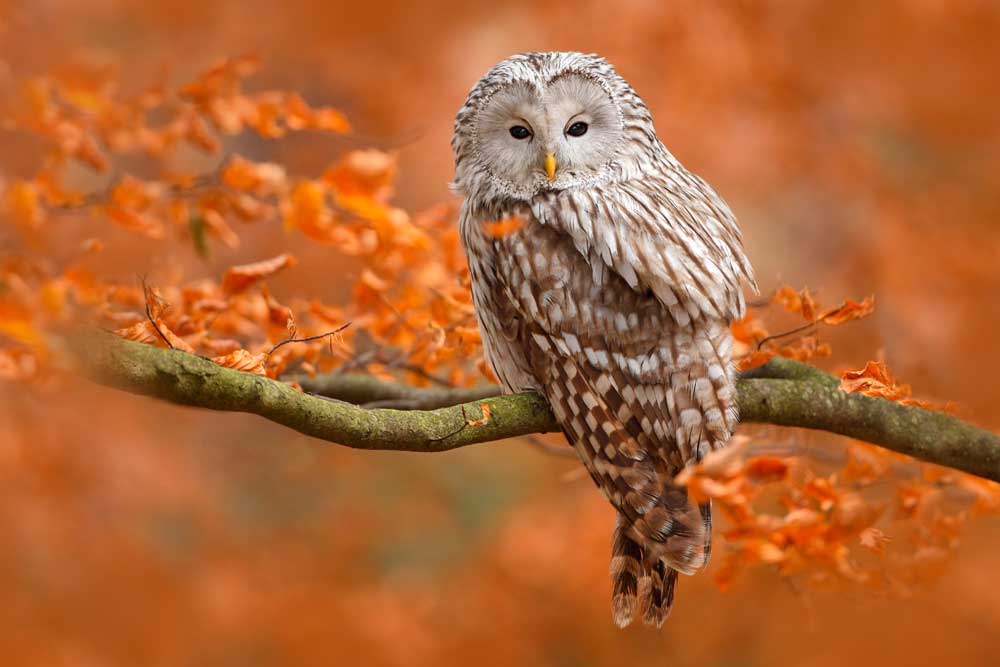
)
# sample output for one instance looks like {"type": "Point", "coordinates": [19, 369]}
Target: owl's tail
{"type": "Point", "coordinates": [643, 585]}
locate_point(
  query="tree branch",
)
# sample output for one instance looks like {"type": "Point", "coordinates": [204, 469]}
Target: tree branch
{"type": "Point", "coordinates": [187, 379]}
{"type": "Point", "coordinates": [368, 391]}
{"type": "Point", "coordinates": [782, 392]}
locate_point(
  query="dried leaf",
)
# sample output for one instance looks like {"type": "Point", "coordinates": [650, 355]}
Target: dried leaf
{"type": "Point", "coordinates": [755, 359]}
{"type": "Point", "coordinates": [145, 332]}
{"type": "Point", "coordinates": [874, 540]}
{"type": "Point", "coordinates": [502, 227]}
{"type": "Point", "coordinates": [849, 310]}
{"type": "Point", "coordinates": [239, 278]}
{"type": "Point", "coordinates": [243, 360]}
{"type": "Point", "coordinates": [874, 380]}
{"type": "Point", "coordinates": [766, 469]}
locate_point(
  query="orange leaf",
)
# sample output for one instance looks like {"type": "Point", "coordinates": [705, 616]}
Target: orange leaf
{"type": "Point", "coordinates": [176, 341]}
{"type": "Point", "coordinates": [874, 540]}
{"type": "Point", "coordinates": [748, 330]}
{"type": "Point", "coordinates": [766, 469]}
{"type": "Point", "coordinates": [849, 310]}
{"type": "Point", "coordinates": [874, 380]}
{"type": "Point", "coordinates": [243, 360]}
{"type": "Point", "coordinates": [239, 278]}
{"type": "Point", "coordinates": [145, 332]}
{"type": "Point", "coordinates": [216, 225]}
{"type": "Point", "coordinates": [306, 209]}
{"type": "Point", "coordinates": [135, 222]}
{"type": "Point", "coordinates": [261, 178]}
{"type": "Point", "coordinates": [788, 298]}
{"type": "Point", "coordinates": [809, 306]}
{"type": "Point", "coordinates": [502, 227]}
{"type": "Point", "coordinates": [486, 370]}
{"type": "Point", "coordinates": [22, 200]}
{"type": "Point", "coordinates": [220, 346]}
{"type": "Point", "coordinates": [755, 359]}
{"type": "Point", "coordinates": [363, 173]}
{"type": "Point", "coordinates": [796, 302]}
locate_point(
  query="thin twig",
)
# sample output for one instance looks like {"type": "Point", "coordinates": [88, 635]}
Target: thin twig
{"type": "Point", "coordinates": [417, 370]}
{"type": "Point", "coordinates": [790, 332]}
{"type": "Point", "coordinates": [293, 339]}
{"type": "Point", "coordinates": [146, 291]}
{"type": "Point", "coordinates": [465, 422]}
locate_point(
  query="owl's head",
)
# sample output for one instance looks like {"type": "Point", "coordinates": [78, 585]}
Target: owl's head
{"type": "Point", "coordinates": [539, 122]}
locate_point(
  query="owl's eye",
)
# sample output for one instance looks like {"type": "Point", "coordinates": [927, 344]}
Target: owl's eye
{"type": "Point", "coordinates": [577, 129]}
{"type": "Point", "coordinates": [520, 132]}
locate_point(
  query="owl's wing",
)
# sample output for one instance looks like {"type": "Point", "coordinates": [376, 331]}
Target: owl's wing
{"type": "Point", "coordinates": [636, 394]}
{"type": "Point", "coordinates": [668, 232]}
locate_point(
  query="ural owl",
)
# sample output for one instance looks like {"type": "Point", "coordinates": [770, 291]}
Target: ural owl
{"type": "Point", "coordinates": [612, 297]}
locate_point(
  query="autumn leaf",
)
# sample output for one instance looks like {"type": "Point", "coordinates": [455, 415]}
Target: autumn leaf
{"type": "Point", "coordinates": [788, 298]}
{"type": "Point", "coordinates": [502, 228]}
{"type": "Point", "coordinates": [366, 174]}
{"type": "Point", "coordinates": [196, 132]}
{"type": "Point", "coordinates": [260, 178]}
{"type": "Point", "coordinates": [214, 223]}
{"type": "Point", "coordinates": [874, 540]}
{"type": "Point", "coordinates": [874, 380]}
{"type": "Point", "coordinates": [239, 278]}
{"type": "Point", "coordinates": [808, 305]}
{"type": "Point", "coordinates": [748, 330]}
{"type": "Point", "coordinates": [849, 310]}
{"type": "Point", "coordinates": [306, 209]}
{"type": "Point", "coordinates": [17, 365]}
{"type": "Point", "coordinates": [23, 201]}
{"type": "Point", "coordinates": [135, 222]}
{"type": "Point", "coordinates": [218, 347]}
{"type": "Point", "coordinates": [755, 359]}
{"type": "Point", "coordinates": [243, 360]}
{"type": "Point", "coordinates": [799, 302]}
{"type": "Point", "coordinates": [299, 115]}
{"type": "Point", "coordinates": [766, 469]}
{"type": "Point", "coordinates": [150, 334]}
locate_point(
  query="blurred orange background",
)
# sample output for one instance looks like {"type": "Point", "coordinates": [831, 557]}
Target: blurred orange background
{"type": "Point", "coordinates": [858, 143]}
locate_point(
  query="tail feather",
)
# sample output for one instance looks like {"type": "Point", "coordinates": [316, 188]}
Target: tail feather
{"type": "Point", "coordinates": [657, 593]}
{"type": "Point", "coordinates": [626, 571]}
{"type": "Point", "coordinates": [706, 516]}
{"type": "Point", "coordinates": [673, 529]}
{"type": "Point", "coordinates": [639, 585]}
{"type": "Point", "coordinates": [643, 582]}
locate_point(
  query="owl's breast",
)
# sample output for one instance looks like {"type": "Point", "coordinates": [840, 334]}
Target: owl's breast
{"type": "Point", "coordinates": [563, 289]}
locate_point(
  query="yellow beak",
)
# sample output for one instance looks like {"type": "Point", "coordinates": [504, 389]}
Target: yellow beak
{"type": "Point", "coordinates": [550, 166]}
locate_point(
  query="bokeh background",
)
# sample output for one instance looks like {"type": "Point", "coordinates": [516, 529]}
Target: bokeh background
{"type": "Point", "coordinates": [858, 142]}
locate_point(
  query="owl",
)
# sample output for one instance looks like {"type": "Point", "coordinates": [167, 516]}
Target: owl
{"type": "Point", "coordinates": [612, 296]}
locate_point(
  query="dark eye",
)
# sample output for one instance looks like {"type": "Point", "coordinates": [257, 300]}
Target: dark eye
{"type": "Point", "coordinates": [520, 132]}
{"type": "Point", "coordinates": [577, 129]}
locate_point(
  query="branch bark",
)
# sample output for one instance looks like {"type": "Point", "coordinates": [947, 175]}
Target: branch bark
{"type": "Point", "coordinates": [782, 392]}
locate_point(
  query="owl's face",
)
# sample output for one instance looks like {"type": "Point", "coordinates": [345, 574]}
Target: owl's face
{"type": "Point", "coordinates": [553, 136]}
{"type": "Point", "coordinates": [539, 122]}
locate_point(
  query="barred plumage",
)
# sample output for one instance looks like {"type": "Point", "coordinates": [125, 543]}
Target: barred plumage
{"type": "Point", "coordinates": [613, 297]}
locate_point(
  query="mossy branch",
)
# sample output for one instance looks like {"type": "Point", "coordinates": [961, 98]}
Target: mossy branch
{"type": "Point", "coordinates": [782, 392]}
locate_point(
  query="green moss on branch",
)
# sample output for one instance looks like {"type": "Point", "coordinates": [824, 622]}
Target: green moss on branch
{"type": "Point", "coordinates": [186, 379]}
{"type": "Point", "coordinates": [782, 392]}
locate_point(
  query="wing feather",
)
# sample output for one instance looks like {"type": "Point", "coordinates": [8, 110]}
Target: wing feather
{"type": "Point", "coordinates": [670, 234]}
